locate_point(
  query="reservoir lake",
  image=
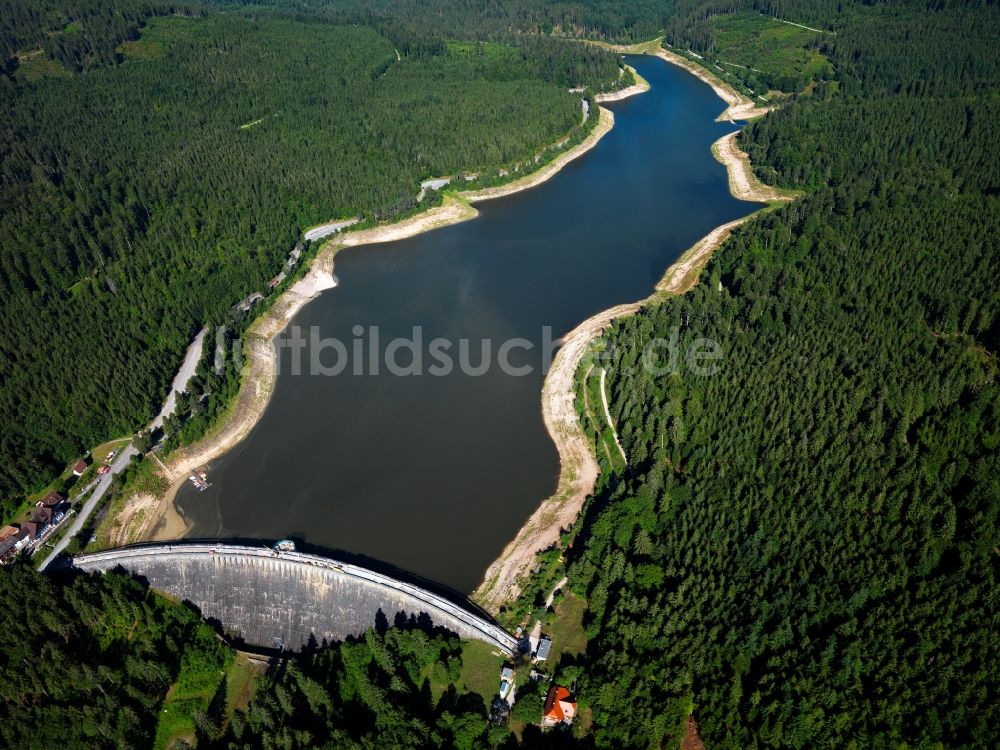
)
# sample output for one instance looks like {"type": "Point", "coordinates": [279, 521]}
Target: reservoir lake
{"type": "Point", "coordinates": [435, 474]}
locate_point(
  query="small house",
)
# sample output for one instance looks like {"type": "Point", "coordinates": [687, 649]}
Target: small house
{"type": "Point", "coordinates": [42, 516]}
{"type": "Point", "coordinates": [12, 538]}
{"type": "Point", "coordinates": [506, 681]}
{"type": "Point", "coordinates": [544, 646]}
{"type": "Point", "coordinates": [53, 500]}
{"type": "Point", "coordinates": [560, 707]}
{"type": "Point", "coordinates": [8, 538]}
{"type": "Point", "coordinates": [81, 466]}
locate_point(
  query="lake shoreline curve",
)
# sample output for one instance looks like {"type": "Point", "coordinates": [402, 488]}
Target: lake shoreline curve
{"type": "Point", "coordinates": [149, 517]}
{"type": "Point", "coordinates": [578, 468]}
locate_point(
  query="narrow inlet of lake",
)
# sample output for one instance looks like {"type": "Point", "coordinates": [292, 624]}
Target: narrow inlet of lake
{"type": "Point", "coordinates": [435, 473]}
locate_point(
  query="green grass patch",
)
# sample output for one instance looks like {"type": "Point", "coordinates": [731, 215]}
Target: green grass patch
{"type": "Point", "coordinates": [159, 34]}
{"type": "Point", "coordinates": [100, 453]}
{"type": "Point", "coordinates": [141, 49]}
{"type": "Point", "coordinates": [643, 48]}
{"type": "Point", "coordinates": [480, 673]}
{"type": "Point", "coordinates": [595, 423]}
{"type": "Point", "coordinates": [198, 683]}
{"type": "Point", "coordinates": [488, 50]}
{"type": "Point", "coordinates": [565, 627]}
{"type": "Point", "coordinates": [240, 677]}
{"type": "Point", "coordinates": [79, 286]}
{"type": "Point", "coordinates": [35, 66]}
{"type": "Point", "coordinates": [480, 670]}
{"type": "Point", "coordinates": [648, 47]}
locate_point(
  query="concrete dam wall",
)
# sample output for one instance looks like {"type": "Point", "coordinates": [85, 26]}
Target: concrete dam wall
{"type": "Point", "coordinates": [268, 598]}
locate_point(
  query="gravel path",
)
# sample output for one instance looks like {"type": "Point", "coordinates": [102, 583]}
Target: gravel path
{"type": "Point", "coordinates": [607, 414]}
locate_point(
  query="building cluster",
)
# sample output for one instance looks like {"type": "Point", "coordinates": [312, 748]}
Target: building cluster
{"type": "Point", "coordinates": [293, 259]}
{"type": "Point", "coordinates": [18, 537]}
{"type": "Point", "coordinates": [560, 703]}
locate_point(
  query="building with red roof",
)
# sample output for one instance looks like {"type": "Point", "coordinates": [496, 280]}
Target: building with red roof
{"type": "Point", "coordinates": [560, 707]}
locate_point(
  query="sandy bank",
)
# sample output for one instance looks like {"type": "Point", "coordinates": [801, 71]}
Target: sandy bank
{"type": "Point", "coordinates": [640, 86]}
{"type": "Point", "coordinates": [740, 107]}
{"type": "Point", "coordinates": [578, 468]}
{"type": "Point", "coordinates": [605, 122]}
{"type": "Point", "coordinates": [743, 183]}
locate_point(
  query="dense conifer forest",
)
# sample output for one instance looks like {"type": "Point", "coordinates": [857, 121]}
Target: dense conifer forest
{"type": "Point", "coordinates": [88, 662]}
{"type": "Point", "coordinates": [100, 661]}
{"type": "Point", "coordinates": [802, 550]}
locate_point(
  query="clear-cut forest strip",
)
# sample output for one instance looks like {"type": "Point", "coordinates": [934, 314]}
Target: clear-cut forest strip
{"type": "Point", "coordinates": [607, 414]}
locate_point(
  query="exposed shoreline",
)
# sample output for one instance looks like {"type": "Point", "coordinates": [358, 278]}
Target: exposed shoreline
{"type": "Point", "coordinates": [739, 107]}
{"type": "Point", "coordinates": [743, 183]}
{"type": "Point", "coordinates": [641, 86]}
{"type": "Point", "coordinates": [156, 518]}
{"type": "Point", "coordinates": [578, 469]}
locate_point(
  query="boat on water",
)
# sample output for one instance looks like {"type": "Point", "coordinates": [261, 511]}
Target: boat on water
{"type": "Point", "coordinates": [199, 479]}
{"type": "Point", "coordinates": [284, 545]}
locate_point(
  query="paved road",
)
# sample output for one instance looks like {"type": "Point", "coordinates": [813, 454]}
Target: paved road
{"type": "Point", "coordinates": [322, 231]}
{"type": "Point", "coordinates": [120, 463]}
{"type": "Point", "coordinates": [181, 379]}
{"type": "Point", "coordinates": [122, 460]}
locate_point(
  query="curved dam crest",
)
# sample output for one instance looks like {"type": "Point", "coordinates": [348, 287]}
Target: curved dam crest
{"type": "Point", "coordinates": [275, 599]}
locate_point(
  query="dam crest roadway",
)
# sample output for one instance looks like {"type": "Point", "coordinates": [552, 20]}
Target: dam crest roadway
{"type": "Point", "coordinates": [288, 599]}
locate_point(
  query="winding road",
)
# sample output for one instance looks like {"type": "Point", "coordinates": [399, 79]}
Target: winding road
{"type": "Point", "coordinates": [124, 458]}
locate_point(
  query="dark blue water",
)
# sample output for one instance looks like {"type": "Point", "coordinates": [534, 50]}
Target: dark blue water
{"type": "Point", "coordinates": [436, 474]}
